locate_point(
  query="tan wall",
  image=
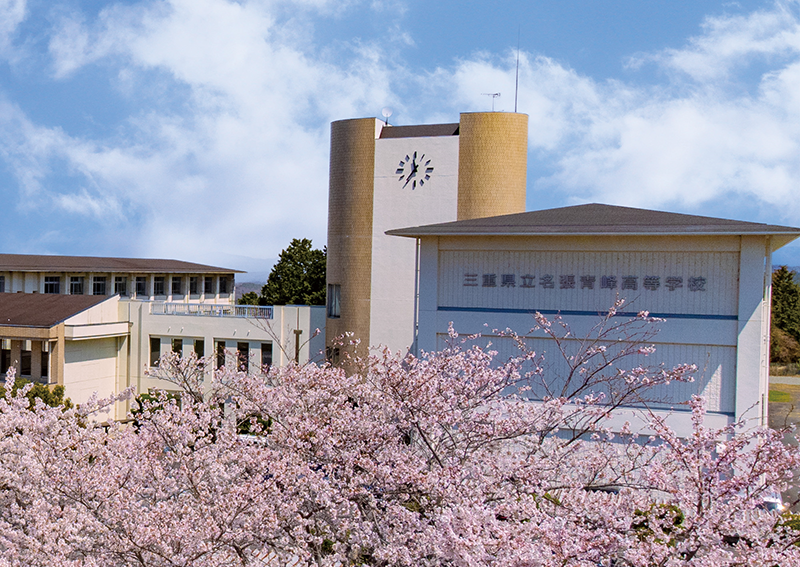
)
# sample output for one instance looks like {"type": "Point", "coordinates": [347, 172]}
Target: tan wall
{"type": "Point", "coordinates": [493, 164]}
{"type": "Point", "coordinates": [350, 203]}
{"type": "Point", "coordinates": [90, 367]}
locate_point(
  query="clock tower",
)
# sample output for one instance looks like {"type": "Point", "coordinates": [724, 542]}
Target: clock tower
{"type": "Point", "coordinates": [384, 177]}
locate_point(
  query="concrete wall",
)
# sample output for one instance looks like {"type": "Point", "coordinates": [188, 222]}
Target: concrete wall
{"type": "Point", "coordinates": [350, 200]}
{"type": "Point", "coordinates": [397, 204]}
{"type": "Point", "coordinates": [91, 366]}
{"type": "Point", "coordinates": [493, 164]}
{"type": "Point", "coordinates": [278, 331]}
{"type": "Point", "coordinates": [717, 318]}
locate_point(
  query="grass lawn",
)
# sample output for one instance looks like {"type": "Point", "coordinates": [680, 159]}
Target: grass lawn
{"type": "Point", "coordinates": [776, 396]}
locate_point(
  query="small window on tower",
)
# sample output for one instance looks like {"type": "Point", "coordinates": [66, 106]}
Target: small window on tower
{"type": "Point", "coordinates": [334, 301]}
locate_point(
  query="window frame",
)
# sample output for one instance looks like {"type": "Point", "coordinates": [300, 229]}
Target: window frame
{"type": "Point", "coordinates": [155, 351]}
{"type": "Point", "coordinates": [176, 285]}
{"type": "Point", "coordinates": [99, 283]}
{"type": "Point", "coordinates": [143, 281]}
{"type": "Point", "coordinates": [333, 300]}
{"type": "Point", "coordinates": [48, 284]}
{"type": "Point", "coordinates": [266, 356]}
{"type": "Point", "coordinates": [243, 356]}
{"type": "Point", "coordinates": [159, 285]}
{"type": "Point", "coordinates": [76, 283]}
{"type": "Point", "coordinates": [121, 281]}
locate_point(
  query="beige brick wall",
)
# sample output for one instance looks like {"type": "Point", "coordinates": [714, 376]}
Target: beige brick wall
{"type": "Point", "coordinates": [493, 164]}
{"type": "Point", "coordinates": [350, 197]}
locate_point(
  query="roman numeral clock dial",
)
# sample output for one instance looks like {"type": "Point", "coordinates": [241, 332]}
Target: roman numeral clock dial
{"type": "Point", "coordinates": [414, 169]}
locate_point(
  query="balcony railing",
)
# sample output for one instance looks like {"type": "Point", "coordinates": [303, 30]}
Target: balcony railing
{"type": "Point", "coordinates": [208, 310]}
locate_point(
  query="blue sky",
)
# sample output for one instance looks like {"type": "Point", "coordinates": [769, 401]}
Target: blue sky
{"type": "Point", "coordinates": [198, 129]}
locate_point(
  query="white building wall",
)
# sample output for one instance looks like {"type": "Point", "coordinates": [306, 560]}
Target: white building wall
{"type": "Point", "coordinates": [231, 330]}
{"type": "Point", "coordinates": [720, 326]}
{"type": "Point", "coordinates": [394, 259]}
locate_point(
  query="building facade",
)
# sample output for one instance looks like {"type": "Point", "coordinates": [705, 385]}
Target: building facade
{"type": "Point", "coordinates": [384, 177]}
{"type": "Point", "coordinates": [709, 278]}
{"type": "Point", "coordinates": [62, 322]}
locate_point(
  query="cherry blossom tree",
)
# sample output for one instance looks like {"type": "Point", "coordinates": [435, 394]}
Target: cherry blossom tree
{"type": "Point", "coordinates": [442, 460]}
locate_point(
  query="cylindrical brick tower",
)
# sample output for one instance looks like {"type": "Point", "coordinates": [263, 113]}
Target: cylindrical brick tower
{"type": "Point", "coordinates": [350, 200]}
{"type": "Point", "coordinates": [492, 164]}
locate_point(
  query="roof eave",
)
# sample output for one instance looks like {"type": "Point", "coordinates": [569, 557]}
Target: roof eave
{"type": "Point", "coordinates": [792, 235]}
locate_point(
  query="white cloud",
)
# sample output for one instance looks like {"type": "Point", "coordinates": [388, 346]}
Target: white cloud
{"type": "Point", "coordinates": [729, 43]}
{"type": "Point", "coordinates": [674, 145]}
{"type": "Point", "coordinates": [243, 167]}
{"type": "Point", "coordinates": [12, 14]}
{"type": "Point", "coordinates": [225, 153]}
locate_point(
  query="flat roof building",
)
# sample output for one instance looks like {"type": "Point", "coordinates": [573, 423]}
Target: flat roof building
{"type": "Point", "coordinates": [97, 324]}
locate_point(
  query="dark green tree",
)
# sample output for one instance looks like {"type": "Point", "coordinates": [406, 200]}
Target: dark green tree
{"type": "Point", "coordinates": [785, 314]}
{"type": "Point", "coordinates": [52, 397]}
{"type": "Point", "coordinates": [249, 298]}
{"type": "Point", "coordinates": [298, 278]}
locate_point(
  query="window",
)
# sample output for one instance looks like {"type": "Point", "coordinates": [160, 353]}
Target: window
{"type": "Point", "coordinates": [25, 359]}
{"type": "Point", "coordinates": [243, 356]}
{"type": "Point", "coordinates": [177, 346]}
{"type": "Point", "coordinates": [220, 350]}
{"type": "Point", "coordinates": [158, 286]}
{"type": "Point", "coordinates": [200, 348]}
{"type": "Point", "coordinates": [266, 356]}
{"type": "Point", "coordinates": [141, 285]}
{"type": "Point", "coordinates": [52, 284]}
{"type": "Point", "coordinates": [99, 285]}
{"type": "Point", "coordinates": [194, 288]}
{"type": "Point", "coordinates": [76, 285]}
{"type": "Point", "coordinates": [155, 350]}
{"type": "Point", "coordinates": [2, 284]}
{"type": "Point", "coordinates": [121, 285]}
{"type": "Point", "coordinates": [177, 285]}
{"type": "Point", "coordinates": [223, 284]}
{"type": "Point", "coordinates": [334, 300]}
{"type": "Point", "coordinates": [208, 285]}
{"type": "Point", "coordinates": [5, 358]}
{"type": "Point", "coordinates": [45, 361]}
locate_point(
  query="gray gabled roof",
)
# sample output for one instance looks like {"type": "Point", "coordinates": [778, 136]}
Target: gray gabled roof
{"type": "Point", "coordinates": [43, 310]}
{"type": "Point", "coordinates": [596, 220]}
{"type": "Point", "coordinates": [39, 263]}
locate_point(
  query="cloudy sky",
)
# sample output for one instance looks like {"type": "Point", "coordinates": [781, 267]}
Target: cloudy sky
{"type": "Point", "coordinates": [199, 129]}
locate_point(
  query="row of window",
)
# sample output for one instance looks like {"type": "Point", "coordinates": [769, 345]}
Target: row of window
{"type": "Point", "coordinates": [26, 360]}
{"type": "Point", "coordinates": [101, 285]}
{"type": "Point", "coordinates": [220, 350]}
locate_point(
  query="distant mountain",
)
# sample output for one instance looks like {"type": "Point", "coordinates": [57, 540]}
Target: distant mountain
{"type": "Point", "coordinates": [246, 287]}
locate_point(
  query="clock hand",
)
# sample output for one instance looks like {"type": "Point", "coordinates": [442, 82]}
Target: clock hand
{"type": "Point", "coordinates": [410, 175]}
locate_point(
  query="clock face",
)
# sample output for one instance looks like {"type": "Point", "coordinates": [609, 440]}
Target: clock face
{"type": "Point", "coordinates": [414, 169]}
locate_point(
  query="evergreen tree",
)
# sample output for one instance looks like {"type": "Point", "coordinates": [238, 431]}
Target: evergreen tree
{"type": "Point", "coordinates": [785, 313]}
{"type": "Point", "coordinates": [298, 278]}
{"type": "Point", "coordinates": [249, 298]}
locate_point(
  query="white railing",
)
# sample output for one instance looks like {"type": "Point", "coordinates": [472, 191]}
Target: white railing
{"type": "Point", "coordinates": [209, 310]}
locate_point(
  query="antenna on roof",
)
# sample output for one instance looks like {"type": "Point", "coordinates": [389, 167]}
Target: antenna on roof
{"type": "Point", "coordinates": [386, 112]}
{"type": "Point", "coordinates": [494, 96]}
{"type": "Point", "coordinates": [516, 84]}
